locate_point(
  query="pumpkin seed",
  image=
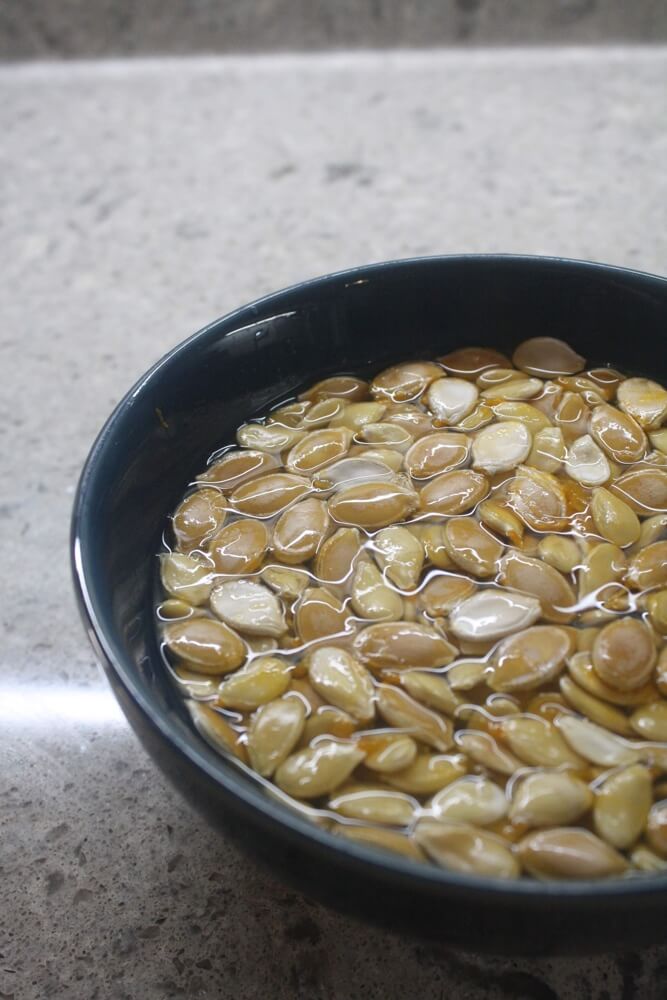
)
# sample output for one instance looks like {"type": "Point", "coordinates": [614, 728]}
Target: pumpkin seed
{"type": "Point", "coordinates": [586, 463]}
{"type": "Point", "coordinates": [466, 674]}
{"type": "Point", "coordinates": [659, 440]}
{"type": "Point", "coordinates": [386, 840]}
{"type": "Point", "coordinates": [388, 753]}
{"type": "Point", "coordinates": [274, 731]}
{"type": "Point", "coordinates": [432, 537]}
{"type": "Point", "coordinates": [255, 684]}
{"type": "Point", "coordinates": [572, 416]}
{"type": "Point", "coordinates": [328, 721]}
{"type": "Point", "coordinates": [643, 489]}
{"type": "Point", "coordinates": [249, 607]}
{"type": "Point", "coordinates": [618, 434]}
{"type": "Point", "coordinates": [198, 517]}
{"type": "Point", "coordinates": [216, 730]}
{"type": "Point", "coordinates": [583, 672]}
{"type": "Point", "coordinates": [473, 799]}
{"type": "Point", "coordinates": [550, 798]}
{"type": "Point", "coordinates": [537, 742]}
{"type": "Point", "coordinates": [514, 389]}
{"type": "Point", "coordinates": [650, 721]}
{"type": "Point", "coordinates": [318, 770]}
{"type": "Point", "coordinates": [470, 361]}
{"type": "Point", "coordinates": [270, 494]}
{"type": "Point", "coordinates": [319, 414]}
{"type": "Point", "coordinates": [431, 689]}
{"type": "Point", "coordinates": [646, 860]}
{"type": "Point", "coordinates": [196, 685]}
{"type": "Point", "coordinates": [464, 848]}
{"type": "Point", "coordinates": [561, 553]}
{"type": "Point", "coordinates": [657, 610]}
{"type": "Point", "coordinates": [501, 519]}
{"type": "Point", "coordinates": [539, 499]}
{"type": "Point", "coordinates": [240, 547]}
{"type": "Point", "coordinates": [594, 709]}
{"type": "Point", "coordinates": [268, 437]}
{"type": "Point", "coordinates": [371, 598]}
{"type": "Point", "coordinates": [428, 773]}
{"type": "Point", "coordinates": [211, 646]}
{"type": "Point", "coordinates": [405, 381]}
{"type": "Point", "coordinates": [403, 644]}
{"type": "Point", "coordinates": [622, 806]}
{"type": "Point", "coordinates": [356, 415]}
{"type": "Point", "coordinates": [548, 450]}
{"type": "Point", "coordinates": [401, 555]}
{"type": "Point", "coordinates": [451, 399]}
{"type": "Point", "coordinates": [614, 519]}
{"type": "Point", "coordinates": [411, 418]}
{"type": "Point", "coordinates": [337, 555]}
{"type": "Point", "coordinates": [648, 568]}
{"type": "Point", "coordinates": [186, 578]}
{"type": "Point", "coordinates": [287, 583]}
{"type": "Point", "coordinates": [291, 414]}
{"type": "Point", "coordinates": [530, 658]}
{"type": "Point", "coordinates": [605, 563]}
{"type": "Point", "coordinates": [541, 581]}
{"type": "Point", "coordinates": [480, 417]}
{"type": "Point", "coordinates": [343, 386]}
{"type": "Point", "coordinates": [300, 531]}
{"type": "Point", "coordinates": [342, 681]}
{"type": "Point", "coordinates": [372, 505]}
{"type": "Point", "coordinates": [501, 447]}
{"type": "Point", "coordinates": [656, 828]}
{"type": "Point", "coordinates": [594, 743]}
{"type": "Point", "coordinates": [374, 804]}
{"type": "Point", "coordinates": [569, 852]}
{"type": "Point", "coordinates": [472, 547]}
{"type": "Point", "coordinates": [624, 654]}
{"type": "Point", "coordinates": [644, 400]}
{"type": "Point", "coordinates": [399, 709]}
{"type": "Point", "coordinates": [437, 453]}
{"type": "Point", "coordinates": [317, 449]}
{"type": "Point", "coordinates": [454, 492]}
{"type": "Point", "coordinates": [484, 750]}
{"type": "Point", "coordinates": [237, 467]}
{"type": "Point", "coordinates": [493, 614]}
{"type": "Point", "coordinates": [319, 614]}
{"type": "Point", "coordinates": [547, 356]}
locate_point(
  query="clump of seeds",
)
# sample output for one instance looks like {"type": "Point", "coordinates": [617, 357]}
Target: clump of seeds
{"type": "Point", "coordinates": [430, 611]}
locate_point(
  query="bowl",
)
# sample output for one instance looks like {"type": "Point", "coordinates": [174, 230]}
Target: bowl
{"type": "Point", "coordinates": [161, 434]}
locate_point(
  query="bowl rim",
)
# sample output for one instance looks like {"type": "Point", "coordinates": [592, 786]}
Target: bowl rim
{"type": "Point", "coordinates": [424, 879]}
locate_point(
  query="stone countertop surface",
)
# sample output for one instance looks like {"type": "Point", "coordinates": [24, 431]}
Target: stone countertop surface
{"type": "Point", "coordinates": [138, 201]}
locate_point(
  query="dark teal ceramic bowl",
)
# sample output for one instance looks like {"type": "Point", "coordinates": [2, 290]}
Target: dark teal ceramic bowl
{"type": "Point", "coordinates": [160, 436]}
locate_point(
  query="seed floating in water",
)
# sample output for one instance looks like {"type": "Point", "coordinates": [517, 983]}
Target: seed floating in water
{"type": "Point", "coordinates": [430, 609]}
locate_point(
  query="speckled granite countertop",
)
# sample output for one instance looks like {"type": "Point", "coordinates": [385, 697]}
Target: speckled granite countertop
{"type": "Point", "coordinates": [139, 200]}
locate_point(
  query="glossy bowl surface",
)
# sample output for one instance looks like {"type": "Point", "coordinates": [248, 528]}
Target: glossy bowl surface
{"type": "Point", "coordinates": [161, 434]}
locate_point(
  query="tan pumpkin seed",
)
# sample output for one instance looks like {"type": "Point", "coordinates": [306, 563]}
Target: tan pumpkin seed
{"type": "Point", "coordinates": [442, 594]}
{"type": "Point", "coordinates": [386, 840]}
{"type": "Point", "coordinates": [274, 731]}
{"type": "Point", "coordinates": [317, 449]}
{"type": "Point", "coordinates": [339, 386]}
{"type": "Point", "coordinates": [322, 412]}
{"type": "Point", "coordinates": [400, 710]}
{"type": "Point", "coordinates": [255, 684]}
{"type": "Point", "coordinates": [493, 614]}
{"type": "Point", "coordinates": [319, 614]}
{"type": "Point", "coordinates": [483, 749]}
{"type": "Point", "coordinates": [185, 578]}
{"type": "Point", "coordinates": [614, 519]}
{"type": "Point", "coordinates": [471, 547]}
{"type": "Point", "coordinates": [501, 447]}
{"type": "Point", "coordinates": [454, 492]}
{"type": "Point", "coordinates": [656, 605]}
{"type": "Point", "coordinates": [401, 555]}
{"type": "Point", "coordinates": [618, 434]}
{"type": "Point", "coordinates": [560, 552]}
{"type": "Point", "coordinates": [411, 418]}
{"type": "Point", "coordinates": [172, 609]}
{"type": "Point", "coordinates": [539, 499]}
{"type": "Point", "coordinates": [572, 416]}
{"type": "Point", "coordinates": [432, 537]}
{"type": "Point", "coordinates": [268, 495]}
{"type": "Point", "coordinates": [659, 440]}
{"type": "Point", "coordinates": [648, 568]}
{"type": "Point", "coordinates": [547, 357]}
{"type": "Point", "coordinates": [337, 555]}
{"type": "Point", "coordinates": [431, 689]}
{"type": "Point", "coordinates": [537, 742]}
{"type": "Point", "coordinates": [624, 654]}
{"type": "Point", "coordinates": [374, 804]}
{"type": "Point", "coordinates": [586, 463]}
{"type": "Point", "coordinates": [287, 583]}
{"type": "Point", "coordinates": [650, 721]}
{"type": "Point", "coordinates": [371, 597]}
{"type": "Point", "coordinates": [216, 730]}
{"type": "Point", "coordinates": [586, 387]}
{"type": "Point", "coordinates": [198, 517]}
{"type": "Point", "coordinates": [514, 389]}
{"type": "Point", "coordinates": [480, 417]}
{"type": "Point", "coordinates": [436, 453]}
{"type": "Point", "coordinates": [646, 860]}
{"type": "Point", "coordinates": [473, 799]}
{"type": "Point", "coordinates": [355, 470]}
{"type": "Point", "coordinates": [490, 378]}
{"type": "Point", "coordinates": [470, 361]}
{"type": "Point", "coordinates": [268, 437]}
{"type": "Point", "coordinates": [236, 467]}
{"type": "Point", "coordinates": [529, 659]}
{"type": "Point", "coordinates": [501, 519]}
{"type": "Point", "coordinates": [466, 674]}
{"type": "Point", "coordinates": [464, 848]}
{"type": "Point", "coordinates": [451, 399]}
{"type": "Point", "coordinates": [534, 419]}
{"type": "Point", "coordinates": [656, 828]}
{"type": "Point", "coordinates": [548, 450]}
{"type": "Point", "coordinates": [550, 798]}
{"type": "Point", "coordinates": [342, 681]}
{"type": "Point", "coordinates": [541, 581]}
{"type": "Point", "coordinates": [248, 606]}
{"type": "Point", "coordinates": [388, 435]}
{"type": "Point", "coordinates": [196, 685]}
{"type": "Point", "coordinates": [622, 806]}
{"type": "Point", "coordinates": [583, 672]}
{"type": "Point", "coordinates": [428, 773]}
{"type": "Point", "coordinates": [212, 646]}
{"type": "Point", "coordinates": [356, 415]}
{"type": "Point", "coordinates": [318, 770]}
{"type": "Point", "coordinates": [405, 381]}
{"type": "Point", "coordinates": [300, 531]}
{"type": "Point", "coordinates": [240, 547]}
{"type": "Point", "coordinates": [604, 564]}
{"type": "Point", "coordinates": [387, 753]}
{"type": "Point", "coordinates": [328, 721]}
{"type": "Point", "coordinates": [643, 489]}
{"type": "Point", "coordinates": [291, 414]}
{"type": "Point", "coordinates": [403, 644]}
{"type": "Point", "coordinates": [569, 852]}
{"type": "Point", "coordinates": [594, 709]}
{"type": "Point", "coordinates": [594, 743]}
{"type": "Point", "coordinates": [644, 400]}
{"type": "Point", "coordinates": [372, 505]}
{"type": "Point", "coordinates": [388, 457]}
